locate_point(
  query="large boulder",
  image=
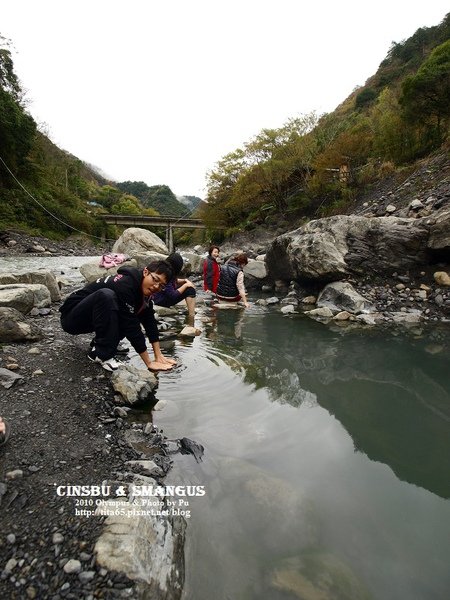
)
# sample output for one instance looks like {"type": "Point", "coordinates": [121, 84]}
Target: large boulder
{"type": "Point", "coordinates": [139, 241]}
{"type": "Point", "coordinates": [14, 328]}
{"type": "Point", "coordinates": [46, 278]}
{"type": "Point", "coordinates": [255, 272]}
{"type": "Point", "coordinates": [341, 296]}
{"type": "Point", "coordinates": [24, 297]}
{"type": "Point", "coordinates": [330, 249]}
{"type": "Point", "coordinates": [194, 263]}
{"type": "Point", "coordinates": [142, 260]}
{"type": "Point", "coordinates": [439, 240]}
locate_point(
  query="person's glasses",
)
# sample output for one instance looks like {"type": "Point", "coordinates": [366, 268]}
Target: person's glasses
{"type": "Point", "coordinates": [158, 282]}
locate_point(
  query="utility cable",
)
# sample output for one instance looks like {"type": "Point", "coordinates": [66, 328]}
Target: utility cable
{"type": "Point", "coordinates": [48, 212]}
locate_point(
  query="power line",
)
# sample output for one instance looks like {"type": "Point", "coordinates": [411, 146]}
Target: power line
{"type": "Point", "coordinates": [47, 211]}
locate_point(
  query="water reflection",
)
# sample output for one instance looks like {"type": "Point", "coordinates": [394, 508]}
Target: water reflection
{"type": "Point", "coordinates": [390, 394]}
{"type": "Point", "coordinates": [312, 439]}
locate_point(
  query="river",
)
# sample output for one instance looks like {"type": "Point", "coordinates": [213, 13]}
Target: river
{"type": "Point", "coordinates": [327, 457]}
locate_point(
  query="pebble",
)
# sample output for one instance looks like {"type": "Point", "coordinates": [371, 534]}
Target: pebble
{"type": "Point", "coordinates": [16, 474]}
{"type": "Point", "coordinates": [10, 565]}
{"type": "Point", "coordinates": [72, 566]}
{"type": "Point", "coordinates": [34, 351]}
{"type": "Point", "coordinates": [11, 538]}
{"type": "Point", "coordinates": [57, 538]}
{"type": "Point", "coordinates": [86, 576]}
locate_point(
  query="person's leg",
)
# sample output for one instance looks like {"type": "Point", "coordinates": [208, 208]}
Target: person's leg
{"type": "Point", "coordinates": [4, 431]}
{"type": "Point", "coordinates": [97, 312]}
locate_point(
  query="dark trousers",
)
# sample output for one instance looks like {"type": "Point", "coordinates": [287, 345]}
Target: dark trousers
{"type": "Point", "coordinates": [99, 313]}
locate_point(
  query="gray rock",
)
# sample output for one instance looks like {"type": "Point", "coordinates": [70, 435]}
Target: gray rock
{"type": "Point", "coordinates": [144, 547]}
{"type": "Point", "coordinates": [133, 385]}
{"type": "Point", "coordinates": [331, 248]}
{"type": "Point", "coordinates": [321, 313]}
{"type": "Point", "coordinates": [341, 296]}
{"type": "Point", "coordinates": [288, 309]}
{"type": "Point", "coordinates": [46, 278]}
{"type": "Point", "coordinates": [91, 271]}
{"type": "Point", "coordinates": [9, 378]}
{"type": "Point", "coordinates": [439, 239]}
{"type": "Point", "coordinates": [14, 328]}
{"type": "Point", "coordinates": [72, 566]}
{"type": "Point", "coordinates": [23, 297]}
{"type": "Point", "coordinates": [139, 241]}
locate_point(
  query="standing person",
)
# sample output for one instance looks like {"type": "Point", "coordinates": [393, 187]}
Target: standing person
{"type": "Point", "coordinates": [211, 270]}
{"type": "Point", "coordinates": [177, 289]}
{"type": "Point", "coordinates": [231, 283]}
{"type": "Point", "coordinates": [114, 307]}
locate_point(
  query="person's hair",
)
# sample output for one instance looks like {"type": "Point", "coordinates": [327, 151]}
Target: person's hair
{"type": "Point", "coordinates": [161, 267]}
{"type": "Point", "coordinates": [211, 248]}
{"type": "Point", "coordinates": [241, 259]}
{"type": "Point", "coordinates": [175, 260]}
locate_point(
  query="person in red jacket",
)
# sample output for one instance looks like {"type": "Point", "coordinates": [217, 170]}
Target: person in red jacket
{"type": "Point", "coordinates": [211, 270]}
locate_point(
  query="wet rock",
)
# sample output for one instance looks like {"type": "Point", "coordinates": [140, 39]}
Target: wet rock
{"type": "Point", "coordinates": [321, 313]}
{"type": "Point", "coordinates": [146, 548]}
{"type": "Point", "coordinates": [190, 331]}
{"type": "Point", "coordinates": [317, 575]}
{"type": "Point", "coordinates": [133, 385]}
{"type": "Point", "coordinates": [288, 309]}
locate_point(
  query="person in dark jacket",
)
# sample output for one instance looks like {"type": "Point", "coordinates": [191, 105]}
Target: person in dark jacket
{"type": "Point", "coordinates": [177, 289]}
{"type": "Point", "coordinates": [211, 270]}
{"type": "Point", "coordinates": [115, 307]}
{"type": "Point", "coordinates": [231, 282]}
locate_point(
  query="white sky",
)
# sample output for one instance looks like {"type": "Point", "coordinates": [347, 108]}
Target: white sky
{"type": "Point", "coordinates": [159, 91]}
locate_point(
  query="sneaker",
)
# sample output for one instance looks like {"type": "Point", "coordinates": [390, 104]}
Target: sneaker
{"type": "Point", "coordinates": [110, 364]}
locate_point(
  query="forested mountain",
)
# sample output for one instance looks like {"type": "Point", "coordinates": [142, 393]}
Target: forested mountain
{"type": "Point", "coordinates": [157, 197]}
{"type": "Point", "coordinates": [48, 191]}
{"type": "Point", "coordinates": [311, 166]}
{"type": "Point", "coordinates": [314, 166]}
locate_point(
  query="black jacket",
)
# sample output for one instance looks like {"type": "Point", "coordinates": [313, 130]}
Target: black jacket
{"type": "Point", "coordinates": [227, 282]}
{"type": "Point", "coordinates": [134, 308]}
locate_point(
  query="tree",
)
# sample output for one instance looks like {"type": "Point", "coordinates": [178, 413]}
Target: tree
{"type": "Point", "coordinates": [426, 95]}
{"type": "Point", "coordinates": [17, 128]}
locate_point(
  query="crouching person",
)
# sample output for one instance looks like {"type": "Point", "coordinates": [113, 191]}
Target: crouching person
{"type": "Point", "coordinates": [114, 307]}
{"type": "Point", "coordinates": [177, 289]}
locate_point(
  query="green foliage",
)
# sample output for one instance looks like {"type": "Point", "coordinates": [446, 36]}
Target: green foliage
{"type": "Point", "coordinates": [426, 95]}
{"type": "Point", "coordinates": [157, 197]}
{"type": "Point", "coordinates": [314, 166]}
{"type": "Point", "coordinates": [365, 97]}
{"type": "Point", "coordinates": [127, 205]}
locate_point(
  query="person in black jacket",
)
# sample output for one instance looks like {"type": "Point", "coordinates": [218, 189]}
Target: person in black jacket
{"type": "Point", "coordinates": [231, 286]}
{"type": "Point", "coordinates": [115, 307]}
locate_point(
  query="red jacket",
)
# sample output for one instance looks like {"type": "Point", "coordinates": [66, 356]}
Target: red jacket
{"type": "Point", "coordinates": [211, 273]}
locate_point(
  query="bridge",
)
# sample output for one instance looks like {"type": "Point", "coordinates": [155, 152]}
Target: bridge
{"type": "Point", "coordinates": [167, 221]}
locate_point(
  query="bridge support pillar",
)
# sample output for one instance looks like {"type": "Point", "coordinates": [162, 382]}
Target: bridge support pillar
{"type": "Point", "coordinates": [169, 238]}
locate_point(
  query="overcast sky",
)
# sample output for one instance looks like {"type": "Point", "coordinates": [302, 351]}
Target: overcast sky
{"type": "Point", "coordinates": [159, 91]}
